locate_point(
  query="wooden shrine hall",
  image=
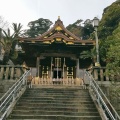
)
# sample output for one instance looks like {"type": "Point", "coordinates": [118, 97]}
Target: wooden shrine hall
{"type": "Point", "coordinates": [56, 53]}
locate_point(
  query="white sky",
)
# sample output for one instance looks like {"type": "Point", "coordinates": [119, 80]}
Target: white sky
{"type": "Point", "coordinates": [24, 11]}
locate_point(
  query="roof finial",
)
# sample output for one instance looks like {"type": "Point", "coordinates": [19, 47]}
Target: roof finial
{"type": "Point", "coordinates": [58, 17]}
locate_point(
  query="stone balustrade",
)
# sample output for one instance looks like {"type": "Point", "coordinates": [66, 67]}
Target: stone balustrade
{"type": "Point", "coordinates": [99, 74]}
{"type": "Point", "coordinates": [10, 72]}
{"type": "Point", "coordinates": [65, 82]}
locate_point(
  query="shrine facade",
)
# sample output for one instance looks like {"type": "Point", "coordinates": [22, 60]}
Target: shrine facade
{"type": "Point", "coordinates": [56, 53]}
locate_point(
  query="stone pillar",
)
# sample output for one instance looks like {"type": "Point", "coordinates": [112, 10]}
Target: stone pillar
{"type": "Point", "coordinates": [107, 77]}
{"type": "Point", "coordinates": [7, 73]}
{"type": "Point", "coordinates": [77, 68]}
{"type": "Point", "coordinates": [1, 73]}
{"type": "Point", "coordinates": [38, 66]}
{"type": "Point", "coordinates": [18, 72]}
{"type": "Point", "coordinates": [12, 73]}
{"type": "Point", "coordinates": [101, 74]}
{"type": "Point", "coordinates": [96, 74]}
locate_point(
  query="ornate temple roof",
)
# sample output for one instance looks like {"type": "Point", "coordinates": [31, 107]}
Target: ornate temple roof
{"type": "Point", "coordinates": [58, 33]}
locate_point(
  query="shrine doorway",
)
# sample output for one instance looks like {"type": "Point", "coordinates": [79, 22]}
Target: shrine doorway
{"type": "Point", "coordinates": [57, 74]}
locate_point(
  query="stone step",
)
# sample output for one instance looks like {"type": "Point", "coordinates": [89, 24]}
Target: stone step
{"type": "Point", "coordinates": [54, 105]}
{"type": "Point", "coordinates": [82, 100]}
{"type": "Point", "coordinates": [57, 87]}
{"type": "Point", "coordinates": [56, 93]}
{"type": "Point", "coordinates": [40, 112]}
{"type": "Point", "coordinates": [62, 108]}
{"type": "Point", "coordinates": [54, 98]}
{"type": "Point", "coordinates": [54, 102]}
{"type": "Point", "coordinates": [57, 90]}
{"type": "Point", "coordinates": [55, 117]}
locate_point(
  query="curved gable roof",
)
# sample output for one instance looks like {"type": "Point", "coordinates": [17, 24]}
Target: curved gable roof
{"type": "Point", "coordinates": [59, 24]}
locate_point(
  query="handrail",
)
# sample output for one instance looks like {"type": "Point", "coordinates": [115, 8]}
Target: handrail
{"type": "Point", "coordinates": [11, 95]}
{"type": "Point", "coordinates": [4, 96]}
{"type": "Point", "coordinates": [102, 100]}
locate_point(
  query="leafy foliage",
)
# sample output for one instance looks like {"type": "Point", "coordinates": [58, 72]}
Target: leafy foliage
{"type": "Point", "coordinates": [75, 28]}
{"type": "Point", "coordinates": [81, 31]}
{"type": "Point", "coordinates": [38, 27]}
{"type": "Point", "coordinates": [89, 54]}
{"type": "Point", "coordinates": [9, 41]}
{"type": "Point", "coordinates": [113, 54]}
{"type": "Point", "coordinates": [110, 20]}
{"type": "Point", "coordinates": [108, 23]}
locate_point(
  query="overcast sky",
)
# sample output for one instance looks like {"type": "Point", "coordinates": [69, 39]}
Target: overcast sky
{"type": "Point", "coordinates": [24, 11]}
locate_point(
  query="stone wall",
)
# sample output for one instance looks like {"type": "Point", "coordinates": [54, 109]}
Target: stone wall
{"type": "Point", "coordinates": [9, 74]}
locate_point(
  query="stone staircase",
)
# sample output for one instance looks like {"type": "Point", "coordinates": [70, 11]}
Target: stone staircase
{"type": "Point", "coordinates": [55, 104]}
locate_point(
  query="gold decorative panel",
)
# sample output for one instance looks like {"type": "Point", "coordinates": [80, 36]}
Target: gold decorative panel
{"type": "Point", "coordinates": [33, 41]}
{"type": "Point", "coordinates": [64, 41]}
{"type": "Point", "coordinates": [58, 39]}
{"type": "Point", "coordinates": [46, 37]}
{"type": "Point", "coordinates": [47, 42]}
{"type": "Point", "coordinates": [83, 43]}
{"type": "Point", "coordinates": [52, 40]}
{"type": "Point", "coordinates": [71, 38]}
{"type": "Point", "coordinates": [69, 43]}
{"type": "Point", "coordinates": [58, 28]}
{"type": "Point", "coordinates": [66, 34]}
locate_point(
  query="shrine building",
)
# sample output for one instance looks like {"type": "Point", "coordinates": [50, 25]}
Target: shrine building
{"type": "Point", "coordinates": [56, 53]}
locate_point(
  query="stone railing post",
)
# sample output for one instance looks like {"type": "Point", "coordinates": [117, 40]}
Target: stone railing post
{"type": "Point", "coordinates": [1, 73]}
{"type": "Point", "coordinates": [12, 73]}
{"type": "Point", "coordinates": [6, 73]}
{"type": "Point", "coordinates": [95, 74]}
{"type": "Point", "coordinates": [101, 74]}
{"type": "Point", "coordinates": [107, 77]}
{"type": "Point", "coordinates": [18, 72]}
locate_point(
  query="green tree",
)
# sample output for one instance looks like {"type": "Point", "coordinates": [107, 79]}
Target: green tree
{"type": "Point", "coordinates": [113, 54]}
{"type": "Point", "coordinates": [76, 28]}
{"type": "Point", "coordinates": [81, 31]}
{"type": "Point", "coordinates": [110, 20]}
{"type": "Point", "coordinates": [9, 41]}
{"type": "Point", "coordinates": [89, 54]}
{"type": "Point", "coordinates": [38, 27]}
{"type": "Point", "coordinates": [87, 30]}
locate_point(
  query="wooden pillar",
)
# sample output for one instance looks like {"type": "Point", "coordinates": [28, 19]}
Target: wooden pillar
{"type": "Point", "coordinates": [77, 68]}
{"type": "Point", "coordinates": [12, 73]}
{"type": "Point", "coordinates": [65, 72]}
{"type": "Point", "coordinates": [38, 66]}
{"type": "Point", "coordinates": [1, 73]}
{"type": "Point", "coordinates": [51, 67]}
{"type": "Point", "coordinates": [6, 73]}
{"type": "Point", "coordinates": [64, 69]}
